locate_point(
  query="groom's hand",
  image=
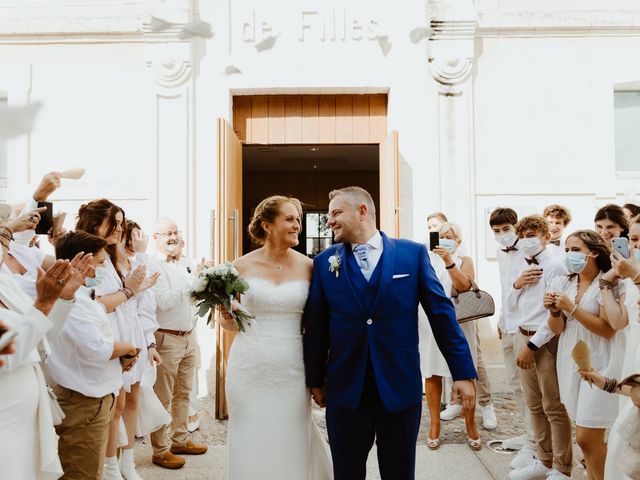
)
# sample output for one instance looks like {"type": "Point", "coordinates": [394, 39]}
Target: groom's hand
{"type": "Point", "coordinates": [318, 396]}
{"type": "Point", "coordinates": [466, 391]}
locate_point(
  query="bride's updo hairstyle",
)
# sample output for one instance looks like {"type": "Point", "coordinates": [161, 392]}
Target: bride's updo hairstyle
{"type": "Point", "coordinates": [267, 211]}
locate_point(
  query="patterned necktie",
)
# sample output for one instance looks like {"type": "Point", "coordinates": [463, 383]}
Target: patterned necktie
{"type": "Point", "coordinates": [362, 256]}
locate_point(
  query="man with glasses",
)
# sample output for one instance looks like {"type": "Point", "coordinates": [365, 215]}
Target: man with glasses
{"type": "Point", "coordinates": [176, 342]}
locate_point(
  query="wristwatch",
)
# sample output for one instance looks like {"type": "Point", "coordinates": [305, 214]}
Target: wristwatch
{"type": "Point", "coordinates": [532, 346]}
{"type": "Point", "coordinates": [151, 345]}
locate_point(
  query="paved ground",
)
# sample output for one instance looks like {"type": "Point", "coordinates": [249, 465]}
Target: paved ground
{"type": "Point", "coordinates": [454, 460]}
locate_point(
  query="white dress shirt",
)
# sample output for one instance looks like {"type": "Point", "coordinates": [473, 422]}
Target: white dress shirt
{"type": "Point", "coordinates": [528, 300]}
{"type": "Point", "coordinates": [174, 308]}
{"type": "Point", "coordinates": [80, 357]}
{"type": "Point", "coordinates": [375, 252]}
{"type": "Point", "coordinates": [509, 265]}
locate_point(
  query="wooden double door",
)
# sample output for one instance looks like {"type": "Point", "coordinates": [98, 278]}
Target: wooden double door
{"type": "Point", "coordinates": [249, 126]}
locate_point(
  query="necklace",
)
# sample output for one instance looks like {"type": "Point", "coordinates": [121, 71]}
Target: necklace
{"type": "Point", "coordinates": [277, 266]}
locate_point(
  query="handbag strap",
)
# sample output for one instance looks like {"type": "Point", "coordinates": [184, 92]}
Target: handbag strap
{"type": "Point", "coordinates": [474, 288]}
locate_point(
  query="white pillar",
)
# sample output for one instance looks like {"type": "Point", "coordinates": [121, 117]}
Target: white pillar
{"type": "Point", "coordinates": [451, 54]}
{"type": "Point", "coordinates": [170, 62]}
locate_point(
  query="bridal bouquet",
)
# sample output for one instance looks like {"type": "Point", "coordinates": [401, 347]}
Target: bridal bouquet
{"type": "Point", "coordinates": [217, 286]}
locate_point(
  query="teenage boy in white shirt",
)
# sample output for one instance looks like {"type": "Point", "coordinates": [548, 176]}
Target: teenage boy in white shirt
{"type": "Point", "coordinates": [558, 218]}
{"type": "Point", "coordinates": [503, 224]}
{"type": "Point", "coordinates": [86, 363]}
{"type": "Point", "coordinates": [537, 347]}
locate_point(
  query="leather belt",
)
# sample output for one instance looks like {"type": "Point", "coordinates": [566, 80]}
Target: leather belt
{"type": "Point", "coordinates": [528, 333]}
{"type": "Point", "coordinates": [179, 333]}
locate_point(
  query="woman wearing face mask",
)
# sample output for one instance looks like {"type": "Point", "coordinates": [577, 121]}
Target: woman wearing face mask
{"type": "Point", "coordinates": [611, 222]}
{"type": "Point", "coordinates": [461, 271]}
{"type": "Point", "coordinates": [584, 305]}
{"type": "Point", "coordinates": [117, 287]}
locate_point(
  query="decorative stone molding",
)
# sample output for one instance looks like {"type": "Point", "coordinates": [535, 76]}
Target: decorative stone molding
{"type": "Point", "coordinates": [170, 72]}
{"type": "Point", "coordinates": [450, 72]}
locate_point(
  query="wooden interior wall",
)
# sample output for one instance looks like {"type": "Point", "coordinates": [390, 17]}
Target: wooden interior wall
{"type": "Point", "coordinates": [311, 188]}
{"type": "Point", "coordinates": [315, 119]}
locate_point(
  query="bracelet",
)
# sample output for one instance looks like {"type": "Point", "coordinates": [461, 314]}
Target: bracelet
{"type": "Point", "coordinates": [635, 277]}
{"type": "Point", "coordinates": [610, 385]}
{"type": "Point", "coordinates": [151, 345]}
{"type": "Point", "coordinates": [450, 266]}
{"type": "Point", "coordinates": [575, 307]}
{"type": "Point", "coordinates": [127, 292]}
{"type": "Point", "coordinates": [3, 231]}
{"type": "Point", "coordinates": [605, 284]}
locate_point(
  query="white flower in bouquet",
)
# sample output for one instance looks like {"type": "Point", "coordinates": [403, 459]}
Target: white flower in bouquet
{"type": "Point", "coordinates": [218, 286]}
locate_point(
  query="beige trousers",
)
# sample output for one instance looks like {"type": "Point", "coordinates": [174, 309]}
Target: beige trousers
{"type": "Point", "coordinates": [82, 433]}
{"type": "Point", "coordinates": [173, 386]}
{"type": "Point", "coordinates": [510, 354]}
{"type": "Point", "coordinates": [549, 418]}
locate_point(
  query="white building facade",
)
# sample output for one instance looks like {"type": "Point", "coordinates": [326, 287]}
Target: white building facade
{"type": "Point", "coordinates": [496, 102]}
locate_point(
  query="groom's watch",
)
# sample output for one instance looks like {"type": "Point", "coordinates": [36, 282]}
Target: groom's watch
{"type": "Point", "coordinates": [532, 346]}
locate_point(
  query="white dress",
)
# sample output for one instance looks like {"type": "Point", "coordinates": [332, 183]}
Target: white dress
{"type": "Point", "coordinates": [126, 324]}
{"type": "Point", "coordinates": [588, 407]}
{"type": "Point", "coordinates": [432, 362]}
{"type": "Point", "coordinates": [270, 433]}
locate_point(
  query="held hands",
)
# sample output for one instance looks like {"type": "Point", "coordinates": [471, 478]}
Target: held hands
{"type": "Point", "coordinates": [525, 358]}
{"type": "Point", "coordinates": [319, 396]}
{"type": "Point", "coordinates": [549, 301]}
{"type": "Point", "coordinates": [466, 391]}
{"type": "Point", "coordinates": [530, 276]}
{"type": "Point", "coordinates": [129, 359]}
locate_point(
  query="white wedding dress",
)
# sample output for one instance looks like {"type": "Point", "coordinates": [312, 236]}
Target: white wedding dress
{"type": "Point", "coordinates": [270, 433]}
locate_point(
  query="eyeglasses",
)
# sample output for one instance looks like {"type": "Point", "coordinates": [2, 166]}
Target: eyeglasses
{"type": "Point", "coordinates": [170, 234]}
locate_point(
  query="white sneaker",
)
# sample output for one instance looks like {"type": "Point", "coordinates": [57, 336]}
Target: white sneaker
{"type": "Point", "coordinates": [127, 465]}
{"type": "Point", "coordinates": [556, 475]}
{"type": "Point", "coordinates": [525, 456]}
{"type": "Point", "coordinates": [534, 471]}
{"type": "Point", "coordinates": [515, 443]}
{"type": "Point", "coordinates": [489, 420]}
{"type": "Point", "coordinates": [193, 426]}
{"type": "Point", "coordinates": [111, 469]}
{"type": "Point", "coordinates": [451, 412]}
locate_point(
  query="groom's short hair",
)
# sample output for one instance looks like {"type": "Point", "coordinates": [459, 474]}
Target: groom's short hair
{"type": "Point", "coordinates": [358, 196]}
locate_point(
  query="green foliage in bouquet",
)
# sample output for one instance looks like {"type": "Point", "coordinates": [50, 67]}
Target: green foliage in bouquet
{"type": "Point", "coordinates": [217, 286]}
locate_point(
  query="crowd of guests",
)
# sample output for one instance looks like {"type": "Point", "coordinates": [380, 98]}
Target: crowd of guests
{"type": "Point", "coordinates": [90, 323]}
{"type": "Point", "coordinates": [557, 291]}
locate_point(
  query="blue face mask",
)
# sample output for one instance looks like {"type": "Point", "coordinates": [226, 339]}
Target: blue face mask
{"type": "Point", "coordinates": [575, 261]}
{"type": "Point", "coordinates": [100, 273]}
{"type": "Point", "coordinates": [450, 245]}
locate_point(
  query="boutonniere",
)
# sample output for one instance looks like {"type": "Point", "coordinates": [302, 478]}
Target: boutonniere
{"type": "Point", "coordinates": [335, 262]}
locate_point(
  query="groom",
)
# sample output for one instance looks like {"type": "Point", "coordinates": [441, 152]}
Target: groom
{"type": "Point", "coordinates": [361, 340]}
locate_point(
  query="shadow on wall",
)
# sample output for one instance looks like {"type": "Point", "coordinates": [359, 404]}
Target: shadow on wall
{"type": "Point", "coordinates": [405, 187]}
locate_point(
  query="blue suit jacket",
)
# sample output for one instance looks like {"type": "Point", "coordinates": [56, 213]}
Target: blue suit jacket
{"type": "Point", "coordinates": [338, 337]}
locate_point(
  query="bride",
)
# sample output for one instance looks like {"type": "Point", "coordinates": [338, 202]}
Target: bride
{"type": "Point", "coordinates": [270, 433]}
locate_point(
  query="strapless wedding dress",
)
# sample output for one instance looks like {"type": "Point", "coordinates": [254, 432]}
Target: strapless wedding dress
{"type": "Point", "coordinates": [270, 433]}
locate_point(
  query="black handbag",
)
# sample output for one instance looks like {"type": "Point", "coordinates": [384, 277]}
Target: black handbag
{"type": "Point", "coordinates": [472, 304]}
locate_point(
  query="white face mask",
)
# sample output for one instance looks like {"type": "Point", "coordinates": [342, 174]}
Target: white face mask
{"type": "Point", "coordinates": [507, 239]}
{"type": "Point", "coordinates": [530, 246]}
{"type": "Point", "coordinates": [450, 245]}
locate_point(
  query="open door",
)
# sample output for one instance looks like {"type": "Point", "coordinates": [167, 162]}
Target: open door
{"type": "Point", "coordinates": [389, 193]}
{"type": "Point", "coordinates": [227, 236]}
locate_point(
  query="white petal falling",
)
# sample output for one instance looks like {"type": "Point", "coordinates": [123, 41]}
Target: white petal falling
{"type": "Point", "coordinates": [73, 173]}
{"type": "Point", "coordinates": [266, 44]}
{"type": "Point", "coordinates": [197, 28]}
{"type": "Point", "coordinates": [16, 121]}
{"type": "Point", "coordinates": [418, 34]}
{"type": "Point", "coordinates": [385, 45]}
{"type": "Point", "coordinates": [231, 70]}
{"type": "Point", "coordinates": [159, 25]}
